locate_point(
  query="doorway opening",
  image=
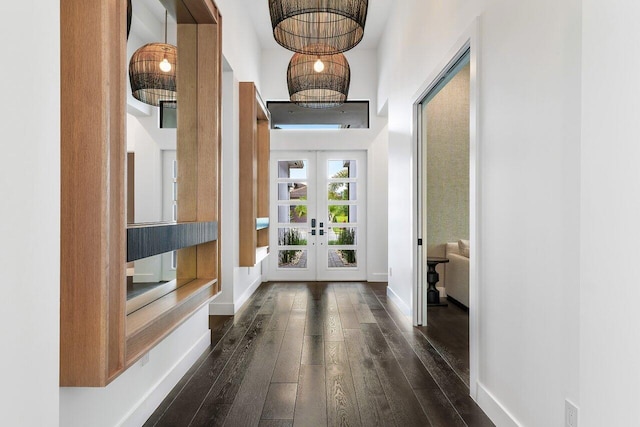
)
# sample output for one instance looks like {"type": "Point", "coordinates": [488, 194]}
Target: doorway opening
{"type": "Point", "coordinates": [446, 214]}
{"type": "Point", "coordinates": [318, 216]}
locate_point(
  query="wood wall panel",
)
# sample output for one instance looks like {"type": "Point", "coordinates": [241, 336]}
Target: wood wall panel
{"type": "Point", "coordinates": [96, 338]}
{"type": "Point", "coordinates": [90, 346]}
{"type": "Point", "coordinates": [264, 151]}
{"type": "Point", "coordinates": [248, 168]}
{"type": "Point", "coordinates": [187, 131]}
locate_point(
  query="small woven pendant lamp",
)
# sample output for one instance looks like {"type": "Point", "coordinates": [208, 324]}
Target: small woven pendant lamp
{"type": "Point", "coordinates": [152, 72]}
{"type": "Point", "coordinates": [318, 81]}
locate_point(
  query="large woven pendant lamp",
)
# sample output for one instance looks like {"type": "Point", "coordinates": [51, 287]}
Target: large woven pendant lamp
{"type": "Point", "coordinates": [318, 81]}
{"type": "Point", "coordinates": [337, 25]}
{"type": "Point", "coordinates": [152, 72]}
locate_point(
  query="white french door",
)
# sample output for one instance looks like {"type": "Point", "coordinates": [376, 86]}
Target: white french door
{"type": "Point", "coordinates": [318, 215]}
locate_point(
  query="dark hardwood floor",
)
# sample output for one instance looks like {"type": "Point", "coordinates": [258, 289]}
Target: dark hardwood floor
{"type": "Point", "coordinates": [448, 332]}
{"type": "Point", "coordinates": [322, 354]}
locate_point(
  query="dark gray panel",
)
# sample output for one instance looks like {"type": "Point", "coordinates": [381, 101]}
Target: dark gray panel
{"type": "Point", "coordinates": [148, 240]}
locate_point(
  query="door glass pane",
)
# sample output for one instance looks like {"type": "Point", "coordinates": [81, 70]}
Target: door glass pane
{"type": "Point", "coordinates": [292, 259]}
{"type": "Point", "coordinates": [295, 169]}
{"type": "Point", "coordinates": [342, 258]}
{"type": "Point", "coordinates": [341, 168]}
{"type": "Point", "coordinates": [341, 191]}
{"type": "Point", "coordinates": [292, 191]}
{"type": "Point", "coordinates": [292, 214]}
{"type": "Point", "coordinates": [292, 237]}
{"type": "Point", "coordinates": [341, 236]}
{"type": "Point", "coordinates": [342, 213]}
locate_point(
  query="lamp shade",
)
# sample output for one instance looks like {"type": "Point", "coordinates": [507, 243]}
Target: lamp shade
{"type": "Point", "coordinates": [311, 88]}
{"type": "Point", "coordinates": [337, 25]}
{"type": "Point", "coordinates": [149, 83]}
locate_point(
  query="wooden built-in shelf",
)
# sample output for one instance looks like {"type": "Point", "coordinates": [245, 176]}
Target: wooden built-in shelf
{"type": "Point", "coordinates": [98, 339]}
{"type": "Point", "coordinates": [255, 125]}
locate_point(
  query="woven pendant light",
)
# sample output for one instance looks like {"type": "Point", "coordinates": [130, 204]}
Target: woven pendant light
{"type": "Point", "coordinates": [337, 25]}
{"type": "Point", "coordinates": [152, 72]}
{"type": "Point", "coordinates": [318, 81]}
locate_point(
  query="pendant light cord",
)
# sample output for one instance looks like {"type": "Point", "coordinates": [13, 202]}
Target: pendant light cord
{"type": "Point", "coordinates": [165, 26]}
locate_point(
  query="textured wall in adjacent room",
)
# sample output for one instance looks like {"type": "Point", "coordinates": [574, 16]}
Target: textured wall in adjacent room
{"type": "Point", "coordinates": [447, 130]}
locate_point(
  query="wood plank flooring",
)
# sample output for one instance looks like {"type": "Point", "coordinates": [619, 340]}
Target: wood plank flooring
{"type": "Point", "coordinates": [323, 354]}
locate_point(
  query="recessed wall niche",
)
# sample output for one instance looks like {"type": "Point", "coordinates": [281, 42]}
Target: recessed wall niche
{"type": "Point", "coordinates": [98, 339]}
{"type": "Point", "coordinates": [255, 125]}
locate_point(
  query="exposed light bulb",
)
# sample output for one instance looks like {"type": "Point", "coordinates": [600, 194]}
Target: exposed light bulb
{"type": "Point", "coordinates": [165, 65]}
{"type": "Point", "coordinates": [318, 66]}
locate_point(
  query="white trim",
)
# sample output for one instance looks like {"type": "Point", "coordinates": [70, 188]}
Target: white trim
{"type": "Point", "coordinates": [469, 39]}
{"type": "Point", "coordinates": [475, 197]}
{"type": "Point", "coordinates": [152, 399]}
{"type": "Point", "coordinates": [494, 409]}
{"type": "Point", "coordinates": [261, 253]}
{"type": "Point", "coordinates": [221, 309]}
{"type": "Point", "coordinates": [378, 277]}
{"type": "Point", "coordinates": [247, 294]}
{"type": "Point", "coordinates": [397, 301]}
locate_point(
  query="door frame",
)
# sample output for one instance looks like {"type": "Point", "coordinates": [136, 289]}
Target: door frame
{"type": "Point", "coordinates": [470, 40]}
{"type": "Point", "coordinates": [319, 272]}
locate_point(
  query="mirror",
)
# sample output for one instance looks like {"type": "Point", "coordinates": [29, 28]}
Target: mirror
{"type": "Point", "coordinates": [152, 166]}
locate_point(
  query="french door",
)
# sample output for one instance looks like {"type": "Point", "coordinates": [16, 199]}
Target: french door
{"type": "Point", "coordinates": [318, 215]}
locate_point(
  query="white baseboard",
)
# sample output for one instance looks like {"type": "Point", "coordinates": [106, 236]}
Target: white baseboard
{"type": "Point", "coordinates": [404, 308]}
{"type": "Point", "coordinates": [378, 277]}
{"type": "Point", "coordinates": [247, 294]}
{"type": "Point", "coordinates": [228, 308]}
{"type": "Point", "coordinates": [494, 409]}
{"type": "Point", "coordinates": [221, 309]}
{"type": "Point", "coordinates": [148, 404]}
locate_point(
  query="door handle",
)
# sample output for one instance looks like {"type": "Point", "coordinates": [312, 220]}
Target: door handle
{"type": "Point", "coordinates": [313, 232]}
{"type": "Point", "coordinates": [313, 223]}
{"type": "Point", "coordinates": [321, 232]}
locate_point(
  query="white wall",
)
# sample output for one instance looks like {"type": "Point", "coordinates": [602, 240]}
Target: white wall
{"type": "Point", "coordinates": [238, 283]}
{"type": "Point", "coordinates": [363, 64]}
{"type": "Point", "coordinates": [240, 44]}
{"type": "Point", "coordinates": [30, 217]}
{"type": "Point", "coordinates": [132, 397]}
{"type": "Point", "coordinates": [529, 130]}
{"type": "Point", "coordinates": [242, 54]}
{"type": "Point", "coordinates": [610, 212]}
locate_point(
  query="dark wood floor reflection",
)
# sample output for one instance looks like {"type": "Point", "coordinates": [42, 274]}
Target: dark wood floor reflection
{"type": "Point", "coordinates": [320, 354]}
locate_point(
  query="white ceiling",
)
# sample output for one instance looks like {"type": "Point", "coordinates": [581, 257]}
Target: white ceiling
{"type": "Point", "coordinates": [377, 14]}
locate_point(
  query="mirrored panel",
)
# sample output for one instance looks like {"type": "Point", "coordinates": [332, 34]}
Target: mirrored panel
{"type": "Point", "coordinates": [152, 166]}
